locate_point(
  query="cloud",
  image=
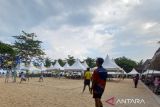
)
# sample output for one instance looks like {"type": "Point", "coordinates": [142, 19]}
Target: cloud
{"type": "Point", "coordinates": [85, 27]}
{"type": "Point", "coordinates": [76, 41]}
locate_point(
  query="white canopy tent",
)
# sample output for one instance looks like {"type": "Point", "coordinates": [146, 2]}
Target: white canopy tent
{"type": "Point", "coordinates": [133, 72]}
{"type": "Point", "coordinates": [110, 65]}
{"type": "Point", "coordinates": [33, 69]}
{"type": "Point", "coordinates": [22, 67]}
{"type": "Point", "coordinates": [66, 66]}
{"type": "Point", "coordinates": [124, 72]}
{"type": "Point", "coordinates": [85, 64]}
{"type": "Point", "coordinates": [43, 68]}
{"type": "Point", "coordinates": [77, 66]}
{"type": "Point", "coordinates": [57, 66]}
{"type": "Point", "coordinates": [2, 71]}
{"type": "Point", "coordinates": [151, 72]}
{"type": "Point", "coordinates": [50, 68]}
{"type": "Point", "coordinates": [115, 73]}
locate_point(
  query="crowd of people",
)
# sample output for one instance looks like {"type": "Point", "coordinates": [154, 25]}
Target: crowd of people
{"type": "Point", "coordinates": [153, 82]}
{"type": "Point", "coordinates": [10, 76]}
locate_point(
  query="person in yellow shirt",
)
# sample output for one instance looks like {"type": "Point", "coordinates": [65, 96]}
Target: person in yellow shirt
{"type": "Point", "coordinates": [87, 79]}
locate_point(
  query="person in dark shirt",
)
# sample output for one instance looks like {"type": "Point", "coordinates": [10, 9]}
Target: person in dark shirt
{"type": "Point", "coordinates": [99, 82]}
{"type": "Point", "coordinates": [135, 79]}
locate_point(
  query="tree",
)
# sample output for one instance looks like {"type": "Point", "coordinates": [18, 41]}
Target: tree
{"type": "Point", "coordinates": [27, 46]}
{"type": "Point", "coordinates": [7, 49]}
{"type": "Point", "coordinates": [61, 62]}
{"type": "Point", "coordinates": [140, 66]}
{"type": "Point", "coordinates": [48, 62]}
{"type": "Point", "coordinates": [7, 53]}
{"type": "Point", "coordinates": [126, 63]}
{"type": "Point", "coordinates": [91, 62]}
{"type": "Point", "coordinates": [70, 60]}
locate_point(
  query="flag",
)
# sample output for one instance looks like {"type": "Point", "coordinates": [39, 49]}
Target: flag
{"type": "Point", "coordinates": [17, 59]}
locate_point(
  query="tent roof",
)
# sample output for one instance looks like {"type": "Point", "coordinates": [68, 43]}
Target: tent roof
{"type": "Point", "coordinates": [22, 66]}
{"type": "Point", "coordinates": [125, 72]}
{"type": "Point", "coordinates": [110, 64]}
{"type": "Point", "coordinates": [57, 66]}
{"type": "Point", "coordinates": [133, 72]}
{"type": "Point", "coordinates": [85, 64]}
{"type": "Point", "coordinates": [50, 68]}
{"type": "Point", "coordinates": [66, 66]}
{"type": "Point", "coordinates": [43, 68]}
{"type": "Point", "coordinates": [114, 73]}
{"type": "Point", "coordinates": [77, 66]}
{"type": "Point", "coordinates": [1, 70]}
{"type": "Point", "coordinates": [32, 68]}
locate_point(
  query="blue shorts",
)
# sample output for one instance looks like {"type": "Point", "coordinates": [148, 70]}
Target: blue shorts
{"type": "Point", "coordinates": [97, 92]}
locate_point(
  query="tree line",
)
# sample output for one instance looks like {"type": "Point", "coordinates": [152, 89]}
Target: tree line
{"type": "Point", "coordinates": [27, 46]}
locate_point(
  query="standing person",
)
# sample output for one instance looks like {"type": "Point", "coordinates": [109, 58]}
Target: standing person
{"type": "Point", "coordinates": [99, 82]}
{"type": "Point", "coordinates": [135, 79]}
{"type": "Point", "coordinates": [14, 75]}
{"type": "Point", "coordinates": [32, 74]}
{"type": "Point", "coordinates": [8, 73]}
{"type": "Point", "coordinates": [60, 75]}
{"type": "Point", "coordinates": [41, 77]}
{"type": "Point", "coordinates": [7, 76]}
{"type": "Point", "coordinates": [23, 78]}
{"type": "Point", "coordinates": [156, 84]}
{"type": "Point", "coordinates": [87, 79]}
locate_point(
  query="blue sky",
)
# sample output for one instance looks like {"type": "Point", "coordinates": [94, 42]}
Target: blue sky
{"type": "Point", "coordinates": [84, 28]}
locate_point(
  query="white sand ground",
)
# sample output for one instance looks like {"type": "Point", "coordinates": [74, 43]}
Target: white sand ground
{"type": "Point", "coordinates": [67, 93]}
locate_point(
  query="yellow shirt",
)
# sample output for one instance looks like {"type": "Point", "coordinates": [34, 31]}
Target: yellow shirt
{"type": "Point", "coordinates": [9, 63]}
{"type": "Point", "coordinates": [88, 75]}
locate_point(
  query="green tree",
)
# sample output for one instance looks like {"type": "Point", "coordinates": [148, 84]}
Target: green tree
{"type": "Point", "coordinates": [7, 53]}
{"type": "Point", "coordinates": [7, 49]}
{"type": "Point", "coordinates": [61, 62]}
{"type": "Point", "coordinates": [47, 62]}
{"type": "Point", "coordinates": [70, 60]}
{"type": "Point", "coordinates": [91, 62]}
{"type": "Point", "coordinates": [27, 46]}
{"type": "Point", "coordinates": [126, 63]}
{"type": "Point", "coordinates": [53, 62]}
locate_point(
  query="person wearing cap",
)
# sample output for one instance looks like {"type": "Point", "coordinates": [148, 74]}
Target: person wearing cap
{"type": "Point", "coordinates": [98, 82]}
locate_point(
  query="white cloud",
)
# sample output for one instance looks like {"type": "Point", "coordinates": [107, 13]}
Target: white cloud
{"type": "Point", "coordinates": [114, 25]}
{"type": "Point", "coordinates": [113, 11]}
{"type": "Point", "coordinates": [149, 25]}
{"type": "Point", "coordinates": [86, 28]}
{"type": "Point", "coordinates": [76, 41]}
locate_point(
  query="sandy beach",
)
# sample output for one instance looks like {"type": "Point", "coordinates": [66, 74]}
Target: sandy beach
{"type": "Point", "coordinates": [68, 93]}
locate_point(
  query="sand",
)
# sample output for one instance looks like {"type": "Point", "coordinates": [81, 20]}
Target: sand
{"type": "Point", "coordinates": [68, 93]}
